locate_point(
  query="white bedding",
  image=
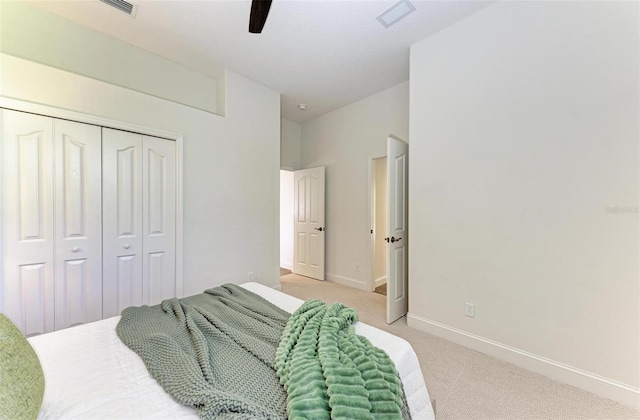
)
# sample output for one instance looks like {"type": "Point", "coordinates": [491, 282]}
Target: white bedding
{"type": "Point", "coordinates": [91, 374]}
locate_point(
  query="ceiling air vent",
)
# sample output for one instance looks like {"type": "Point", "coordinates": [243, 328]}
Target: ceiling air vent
{"type": "Point", "coordinates": [123, 6]}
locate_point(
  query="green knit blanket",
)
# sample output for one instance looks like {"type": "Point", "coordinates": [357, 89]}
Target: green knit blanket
{"type": "Point", "coordinates": [329, 371]}
{"type": "Point", "coordinates": [231, 354]}
{"type": "Point", "coordinates": [214, 351]}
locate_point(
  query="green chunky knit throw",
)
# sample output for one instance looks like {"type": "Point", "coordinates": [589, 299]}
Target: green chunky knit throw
{"type": "Point", "coordinates": [330, 372]}
{"type": "Point", "coordinates": [214, 351]}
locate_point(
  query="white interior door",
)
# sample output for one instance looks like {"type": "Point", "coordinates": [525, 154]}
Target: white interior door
{"type": "Point", "coordinates": [397, 161]}
{"type": "Point", "coordinates": [121, 221]}
{"type": "Point", "coordinates": [78, 213]}
{"type": "Point", "coordinates": [159, 220]}
{"type": "Point", "coordinates": [27, 286]}
{"type": "Point", "coordinates": [309, 228]}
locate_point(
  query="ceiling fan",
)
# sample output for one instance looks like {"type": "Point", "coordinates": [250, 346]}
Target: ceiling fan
{"type": "Point", "coordinates": [258, 16]}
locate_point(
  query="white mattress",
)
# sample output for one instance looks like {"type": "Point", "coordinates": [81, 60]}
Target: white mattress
{"type": "Point", "coordinates": [91, 374]}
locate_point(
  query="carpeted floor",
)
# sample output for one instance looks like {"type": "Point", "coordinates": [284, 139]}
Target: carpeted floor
{"type": "Point", "coordinates": [467, 384]}
{"type": "Point", "coordinates": [284, 271]}
{"type": "Point", "coordinates": [382, 289]}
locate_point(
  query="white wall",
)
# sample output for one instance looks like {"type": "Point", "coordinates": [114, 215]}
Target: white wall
{"type": "Point", "coordinates": [290, 144]}
{"type": "Point", "coordinates": [231, 164]}
{"type": "Point", "coordinates": [524, 185]}
{"type": "Point", "coordinates": [37, 35]}
{"type": "Point", "coordinates": [286, 219]}
{"type": "Point", "coordinates": [343, 141]}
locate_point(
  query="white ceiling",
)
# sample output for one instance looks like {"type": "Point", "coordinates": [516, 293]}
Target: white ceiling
{"type": "Point", "coordinates": [324, 53]}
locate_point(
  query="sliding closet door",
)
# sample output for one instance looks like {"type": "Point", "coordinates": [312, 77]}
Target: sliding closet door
{"type": "Point", "coordinates": [27, 291]}
{"type": "Point", "coordinates": [159, 219]}
{"type": "Point", "coordinates": [78, 233]}
{"type": "Point", "coordinates": [122, 220]}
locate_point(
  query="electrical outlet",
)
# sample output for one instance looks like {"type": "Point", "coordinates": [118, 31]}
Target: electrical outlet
{"type": "Point", "coordinates": [469, 310]}
{"type": "Point", "coordinates": [250, 275]}
{"type": "Point", "coordinates": [357, 267]}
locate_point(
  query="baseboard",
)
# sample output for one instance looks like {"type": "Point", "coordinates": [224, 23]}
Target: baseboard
{"type": "Point", "coordinates": [379, 281]}
{"type": "Point", "coordinates": [346, 281]}
{"type": "Point", "coordinates": [591, 382]}
{"type": "Point", "coordinates": [288, 266]}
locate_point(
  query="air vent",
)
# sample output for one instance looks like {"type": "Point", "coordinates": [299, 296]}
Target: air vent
{"type": "Point", "coordinates": [123, 6]}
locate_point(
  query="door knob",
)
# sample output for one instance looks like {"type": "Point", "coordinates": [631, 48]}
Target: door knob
{"type": "Point", "coordinates": [395, 240]}
{"type": "Point", "coordinates": [127, 246]}
{"type": "Point", "coordinates": [75, 249]}
{"type": "Point", "coordinates": [320, 229]}
{"type": "Point", "coordinates": [387, 239]}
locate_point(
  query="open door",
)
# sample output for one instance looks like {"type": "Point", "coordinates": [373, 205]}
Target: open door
{"type": "Point", "coordinates": [309, 228]}
{"type": "Point", "coordinates": [397, 161]}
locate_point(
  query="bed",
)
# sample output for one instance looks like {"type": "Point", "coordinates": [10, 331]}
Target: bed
{"type": "Point", "coordinates": [90, 374]}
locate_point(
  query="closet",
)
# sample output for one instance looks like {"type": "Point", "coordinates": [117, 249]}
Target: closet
{"type": "Point", "coordinates": [139, 220]}
{"type": "Point", "coordinates": [88, 221]}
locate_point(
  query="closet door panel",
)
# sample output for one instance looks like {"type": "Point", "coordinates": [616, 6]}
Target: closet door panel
{"type": "Point", "coordinates": [35, 297]}
{"type": "Point", "coordinates": [74, 301]}
{"type": "Point", "coordinates": [27, 296]}
{"type": "Point", "coordinates": [159, 215]}
{"type": "Point", "coordinates": [122, 220]}
{"type": "Point", "coordinates": [129, 284]}
{"type": "Point", "coordinates": [78, 214]}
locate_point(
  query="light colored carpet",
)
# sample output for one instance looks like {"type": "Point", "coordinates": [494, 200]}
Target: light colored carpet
{"type": "Point", "coordinates": [284, 271]}
{"type": "Point", "coordinates": [467, 384]}
{"type": "Point", "coordinates": [381, 290]}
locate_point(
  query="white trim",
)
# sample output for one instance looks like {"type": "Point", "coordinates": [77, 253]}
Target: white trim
{"type": "Point", "coordinates": [588, 381]}
{"type": "Point", "coordinates": [50, 111]}
{"type": "Point", "coordinates": [380, 281]}
{"type": "Point", "coordinates": [179, 218]}
{"type": "Point", "coordinates": [287, 266]}
{"type": "Point", "coordinates": [371, 195]}
{"type": "Point", "coordinates": [346, 281]}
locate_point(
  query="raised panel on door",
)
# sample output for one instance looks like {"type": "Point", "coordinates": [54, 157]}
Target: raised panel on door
{"type": "Point", "coordinates": [399, 292]}
{"type": "Point", "coordinates": [27, 220]}
{"type": "Point", "coordinates": [78, 215]}
{"type": "Point", "coordinates": [36, 298]}
{"type": "Point", "coordinates": [128, 284]}
{"type": "Point", "coordinates": [316, 187]}
{"type": "Point", "coordinates": [300, 210]}
{"type": "Point", "coordinates": [74, 300]}
{"type": "Point", "coordinates": [315, 247]}
{"type": "Point", "coordinates": [159, 219]}
{"type": "Point", "coordinates": [301, 249]}
{"type": "Point", "coordinates": [399, 216]}
{"type": "Point", "coordinates": [121, 219]}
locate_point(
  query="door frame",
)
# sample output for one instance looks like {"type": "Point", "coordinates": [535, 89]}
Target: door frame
{"type": "Point", "coordinates": [372, 220]}
{"type": "Point", "coordinates": [308, 271]}
{"type": "Point", "coordinates": [51, 111]}
{"type": "Point", "coordinates": [289, 212]}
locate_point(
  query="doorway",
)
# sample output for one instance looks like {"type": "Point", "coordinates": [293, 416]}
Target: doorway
{"type": "Point", "coordinates": [389, 240]}
{"type": "Point", "coordinates": [379, 249]}
{"type": "Point", "coordinates": [302, 227]}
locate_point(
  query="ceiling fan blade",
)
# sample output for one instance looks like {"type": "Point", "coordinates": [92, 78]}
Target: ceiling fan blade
{"type": "Point", "coordinates": [258, 16]}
